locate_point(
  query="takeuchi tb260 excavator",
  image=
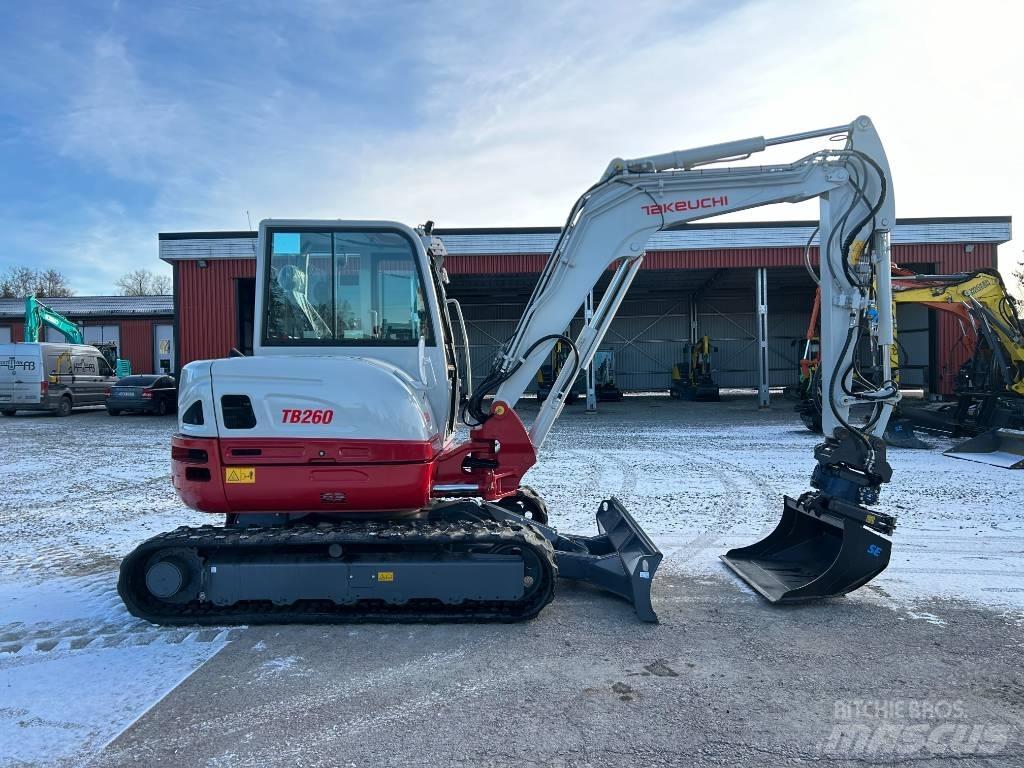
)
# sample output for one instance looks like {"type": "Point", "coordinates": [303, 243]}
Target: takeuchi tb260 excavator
{"type": "Point", "coordinates": [334, 453]}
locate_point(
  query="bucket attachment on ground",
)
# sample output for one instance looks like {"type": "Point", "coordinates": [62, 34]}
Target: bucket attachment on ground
{"type": "Point", "coordinates": [899, 433]}
{"type": "Point", "coordinates": [998, 447]}
{"type": "Point", "coordinates": [826, 544]}
{"type": "Point", "coordinates": [621, 559]}
{"type": "Point", "coordinates": [811, 555]}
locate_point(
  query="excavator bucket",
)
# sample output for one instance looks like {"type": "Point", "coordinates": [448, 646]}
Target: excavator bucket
{"type": "Point", "coordinates": [998, 447]}
{"type": "Point", "coordinates": [899, 433]}
{"type": "Point", "coordinates": [813, 553]}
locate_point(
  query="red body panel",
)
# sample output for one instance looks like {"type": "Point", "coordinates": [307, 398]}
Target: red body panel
{"type": "Point", "coordinates": [345, 476]}
{"type": "Point", "coordinates": [320, 475]}
{"type": "Point", "coordinates": [502, 438]}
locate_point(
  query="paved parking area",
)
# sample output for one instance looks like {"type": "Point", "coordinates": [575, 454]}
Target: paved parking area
{"type": "Point", "coordinates": [923, 664]}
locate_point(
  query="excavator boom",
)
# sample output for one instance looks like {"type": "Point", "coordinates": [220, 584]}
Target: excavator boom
{"type": "Point", "coordinates": [38, 316]}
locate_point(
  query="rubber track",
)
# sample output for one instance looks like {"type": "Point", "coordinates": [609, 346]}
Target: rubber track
{"type": "Point", "coordinates": [208, 539]}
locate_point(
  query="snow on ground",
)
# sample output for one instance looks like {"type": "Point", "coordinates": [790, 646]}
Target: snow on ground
{"type": "Point", "coordinates": [702, 478]}
{"type": "Point", "coordinates": [79, 493]}
{"type": "Point", "coordinates": [75, 668]}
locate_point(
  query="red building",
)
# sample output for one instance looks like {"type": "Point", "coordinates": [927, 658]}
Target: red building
{"type": "Point", "coordinates": [141, 326]}
{"type": "Point", "coordinates": [698, 279]}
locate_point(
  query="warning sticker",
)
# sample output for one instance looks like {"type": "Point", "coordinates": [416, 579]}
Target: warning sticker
{"type": "Point", "coordinates": [385, 575]}
{"type": "Point", "coordinates": [240, 474]}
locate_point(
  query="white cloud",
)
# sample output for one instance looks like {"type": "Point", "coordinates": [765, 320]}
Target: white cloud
{"type": "Point", "coordinates": [526, 104]}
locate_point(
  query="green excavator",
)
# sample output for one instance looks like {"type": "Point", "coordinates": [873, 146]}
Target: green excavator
{"type": "Point", "coordinates": [38, 316]}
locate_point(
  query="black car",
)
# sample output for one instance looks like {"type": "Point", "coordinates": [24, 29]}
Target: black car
{"type": "Point", "coordinates": [148, 394]}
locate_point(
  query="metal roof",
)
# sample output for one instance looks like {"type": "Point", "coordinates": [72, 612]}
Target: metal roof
{"type": "Point", "coordinates": [94, 306]}
{"type": "Point", "coordinates": [178, 246]}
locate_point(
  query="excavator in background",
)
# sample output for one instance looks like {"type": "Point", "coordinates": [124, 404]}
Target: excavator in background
{"type": "Point", "coordinates": [39, 315]}
{"type": "Point", "coordinates": [899, 432]}
{"type": "Point", "coordinates": [989, 392]}
{"type": "Point", "coordinates": [605, 389]}
{"type": "Point", "coordinates": [548, 372]}
{"type": "Point", "coordinates": [693, 379]}
{"type": "Point", "coordinates": [809, 360]}
{"type": "Point", "coordinates": [334, 455]}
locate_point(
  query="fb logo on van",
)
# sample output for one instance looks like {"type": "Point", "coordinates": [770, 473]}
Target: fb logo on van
{"type": "Point", "coordinates": [14, 364]}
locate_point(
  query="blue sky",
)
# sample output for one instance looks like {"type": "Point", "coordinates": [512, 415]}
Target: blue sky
{"type": "Point", "coordinates": [122, 119]}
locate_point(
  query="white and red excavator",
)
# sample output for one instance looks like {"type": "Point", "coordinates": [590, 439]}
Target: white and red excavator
{"type": "Point", "coordinates": [335, 455]}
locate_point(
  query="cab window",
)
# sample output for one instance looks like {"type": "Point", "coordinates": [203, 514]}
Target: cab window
{"type": "Point", "coordinates": [343, 288]}
{"type": "Point", "coordinates": [104, 367]}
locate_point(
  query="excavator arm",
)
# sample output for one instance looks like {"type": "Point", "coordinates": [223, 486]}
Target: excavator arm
{"type": "Point", "coordinates": [433, 556]}
{"type": "Point", "coordinates": [828, 543]}
{"type": "Point", "coordinates": [38, 315]}
{"type": "Point", "coordinates": [981, 300]}
{"type": "Point", "coordinates": [611, 223]}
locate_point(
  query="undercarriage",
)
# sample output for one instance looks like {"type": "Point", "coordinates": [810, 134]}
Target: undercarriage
{"type": "Point", "coordinates": [456, 561]}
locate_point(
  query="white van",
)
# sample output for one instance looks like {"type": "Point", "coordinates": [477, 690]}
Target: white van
{"type": "Point", "coordinates": [52, 377]}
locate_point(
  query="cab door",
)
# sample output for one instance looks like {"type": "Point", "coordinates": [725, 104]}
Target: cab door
{"type": "Point", "coordinates": [81, 382]}
{"type": "Point", "coordinates": [106, 378]}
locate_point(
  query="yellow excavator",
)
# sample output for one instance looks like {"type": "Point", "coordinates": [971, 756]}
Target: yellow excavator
{"type": "Point", "coordinates": [989, 393]}
{"type": "Point", "coordinates": [693, 379]}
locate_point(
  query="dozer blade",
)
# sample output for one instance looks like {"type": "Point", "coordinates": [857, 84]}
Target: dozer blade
{"type": "Point", "coordinates": [998, 447]}
{"type": "Point", "coordinates": [812, 553]}
{"type": "Point", "coordinates": [621, 559]}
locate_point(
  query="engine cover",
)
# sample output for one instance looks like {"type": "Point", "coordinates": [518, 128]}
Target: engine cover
{"type": "Point", "coordinates": [303, 434]}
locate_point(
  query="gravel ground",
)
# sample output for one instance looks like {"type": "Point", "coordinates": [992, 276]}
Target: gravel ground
{"type": "Point", "coordinates": [921, 665]}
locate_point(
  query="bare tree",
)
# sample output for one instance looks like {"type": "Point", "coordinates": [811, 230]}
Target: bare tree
{"type": "Point", "coordinates": [162, 285]}
{"type": "Point", "coordinates": [50, 282]}
{"type": "Point", "coordinates": [142, 282]}
{"type": "Point", "coordinates": [18, 282]}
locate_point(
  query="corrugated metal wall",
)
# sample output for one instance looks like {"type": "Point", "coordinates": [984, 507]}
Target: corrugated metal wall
{"type": "Point", "coordinates": [949, 254]}
{"type": "Point", "coordinates": [648, 337]}
{"type": "Point", "coordinates": [649, 333]}
{"type": "Point", "coordinates": [137, 343]}
{"type": "Point", "coordinates": [207, 307]}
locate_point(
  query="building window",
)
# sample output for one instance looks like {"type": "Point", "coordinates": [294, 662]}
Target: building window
{"type": "Point", "coordinates": [102, 334]}
{"type": "Point", "coordinates": [5, 334]}
{"type": "Point", "coordinates": [92, 334]}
